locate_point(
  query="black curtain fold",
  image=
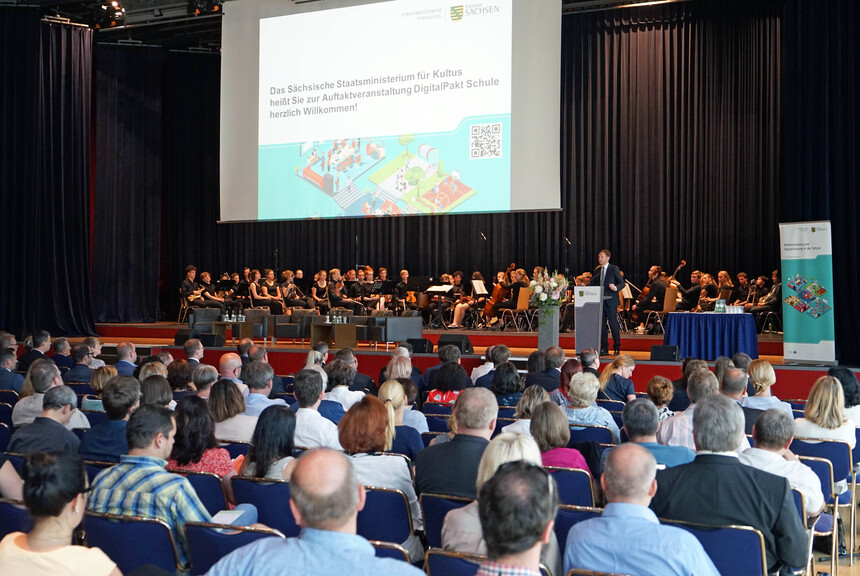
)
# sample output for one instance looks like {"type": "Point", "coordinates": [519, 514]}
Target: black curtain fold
{"type": "Point", "coordinates": [45, 82]}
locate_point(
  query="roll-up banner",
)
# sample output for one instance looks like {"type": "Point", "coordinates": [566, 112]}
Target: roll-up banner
{"type": "Point", "coordinates": [807, 293]}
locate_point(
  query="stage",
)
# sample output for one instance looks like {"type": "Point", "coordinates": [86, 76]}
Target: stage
{"type": "Point", "coordinates": [287, 357]}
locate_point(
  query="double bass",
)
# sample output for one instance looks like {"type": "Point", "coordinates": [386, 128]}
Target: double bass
{"type": "Point", "coordinates": [499, 293]}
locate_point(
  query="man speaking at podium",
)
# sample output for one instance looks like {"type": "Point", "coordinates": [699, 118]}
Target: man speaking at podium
{"type": "Point", "coordinates": [609, 276]}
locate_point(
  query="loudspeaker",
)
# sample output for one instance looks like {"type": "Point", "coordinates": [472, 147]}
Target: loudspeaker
{"type": "Point", "coordinates": [182, 335]}
{"type": "Point", "coordinates": [421, 345]}
{"type": "Point", "coordinates": [666, 353]}
{"type": "Point", "coordinates": [461, 341]}
{"type": "Point", "coordinates": [211, 340]}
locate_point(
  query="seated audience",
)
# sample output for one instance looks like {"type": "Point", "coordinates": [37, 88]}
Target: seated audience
{"type": "Point", "coordinates": [583, 411]}
{"type": "Point", "coordinates": [506, 385]}
{"type": "Point", "coordinates": [152, 368]}
{"type": "Point", "coordinates": [773, 433]}
{"type": "Point", "coordinates": [678, 430]}
{"type": "Point", "coordinates": [106, 442]}
{"type": "Point", "coordinates": [63, 355]}
{"type": "Point", "coordinates": [364, 432]}
{"type": "Point", "coordinates": [37, 346]}
{"type": "Point", "coordinates": [325, 497]}
{"type": "Point", "coordinates": [548, 377]}
{"type": "Point", "coordinates": [412, 416]}
{"type": "Point", "coordinates": [100, 377]}
{"type": "Point", "coordinates": [340, 377]}
{"type": "Point", "coordinates": [499, 354]}
{"type": "Point", "coordinates": [312, 429]}
{"type": "Point", "coordinates": [80, 370]}
{"type": "Point", "coordinates": [361, 382]}
{"type": "Point", "coordinates": [179, 376]}
{"type": "Point", "coordinates": [824, 414]}
{"type": "Point", "coordinates": [716, 488]}
{"type": "Point", "coordinates": [680, 399]}
{"type": "Point", "coordinates": [55, 494]}
{"type": "Point", "coordinates": [96, 346]}
{"type": "Point", "coordinates": [452, 467]}
{"type": "Point", "coordinates": [195, 448]}
{"type": "Point", "coordinates": [43, 375]}
{"type": "Point", "coordinates": [9, 379]}
{"type": "Point", "coordinates": [850, 391]}
{"type": "Point", "coordinates": [615, 382]}
{"type": "Point", "coordinates": [660, 392]}
{"type": "Point", "coordinates": [271, 451]}
{"type": "Point", "coordinates": [762, 377]}
{"type": "Point", "coordinates": [228, 407]}
{"type": "Point", "coordinates": [488, 365]}
{"type": "Point", "coordinates": [461, 530]}
{"type": "Point", "coordinates": [532, 397]}
{"type": "Point", "coordinates": [722, 364]}
{"type": "Point", "coordinates": [204, 376]}
{"type": "Point", "coordinates": [155, 390]}
{"type": "Point", "coordinates": [641, 420]}
{"type": "Point", "coordinates": [407, 440]}
{"type": "Point", "coordinates": [628, 537]}
{"type": "Point", "coordinates": [551, 431]}
{"type": "Point", "coordinates": [126, 358]}
{"type": "Point", "coordinates": [447, 353]}
{"type": "Point", "coordinates": [734, 386]}
{"type": "Point", "coordinates": [450, 381]}
{"type": "Point", "coordinates": [568, 369]}
{"type": "Point", "coordinates": [47, 433]}
{"type": "Point", "coordinates": [259, 377]}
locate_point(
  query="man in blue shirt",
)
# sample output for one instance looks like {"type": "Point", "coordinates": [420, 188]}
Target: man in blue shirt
{"type": "Point", "coordinates": [258, 377]}
{"type": "Point", "coordinates": [325, 498]}
{"type": "Point", "coordinates": [628, 538]}
{"type": "Point", "coordinates": [106, 442]}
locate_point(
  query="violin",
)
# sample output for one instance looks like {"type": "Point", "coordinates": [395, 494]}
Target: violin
{"type": "Point", "coordinates": [410, 297]}
{"type": "Point", "coordinates": [499, 293]}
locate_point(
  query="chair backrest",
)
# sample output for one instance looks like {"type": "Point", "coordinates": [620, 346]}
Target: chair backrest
{"type": "Point", "coordinates": [523, 299]}
{"type": "Point", "coordinates": [6, 414]}
{"type": "Point", "coordinates": [427, 437]}
{"type": "Point", "coordinates": [16, 460]}
{"type": "Point", "coordinates": [446, 563]}
{"type": "Point", "coordinates": [670, 300]}
{"type": "Point", "coordinates": [9, 397]}
{"type": "Point", "coordinates": [567, 516]}
{"type": "Point", "coordinates": [823, 468]}
{"type": "Point", "coordinates": [14, 517]}
{"type": "Point", "coordinates": [386, 515]}
{"type": "Point", "coordinates": [209, 489]}
{"type": "Point", "coordinates": [132, 542]}
{"type": "Point", "coordinates": [208, 543]}
{"type": "Point", "coordinates": [434, 507]}
{"type": "Point", "coordinates": [574, 486]}
{"type": "Point", "coordinates": [236, 448]}
{"type": "Point", "coordinates": [390, 550]}
{"type": "Point", "coordinates": [732, 549]}
{"type": "Point", "coordinates": [800, 506]}
{"type": "Point", "coordinates": [96, 466]}
{"type": "Point", "coordinates": [580, 433]}
{"type": "Point", "coordinates": [437, 424]}
{"type": "Point", "coordinates": [272, 499]}
{"type": "Point", "coordinates": [5, 436]}
{"type": "Point", "coordinates": [507, 411]}
{"type": "Point", "coordinates": [839, 454]}
{"type": "Point", "coordinates": [501, 423]}
{"type": "Point", "coordinates": [726, 294]}
{"type": "Point", "coordinates": [437, 408]}
{"type": "Point", "coordinates": [611, 405]}
{"type": "Point", "coordinates": [583, 572]}
{"type": "Point", "coordinates": [81, 387]}
{"type": "Point", "coordinates": [94, 417]}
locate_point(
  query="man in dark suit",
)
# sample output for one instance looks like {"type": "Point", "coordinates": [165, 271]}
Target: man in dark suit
{"type": "Point", "coordinates": [193, 352]}
{"type": "Point", "coordinates": [499, 355]}
{"type": "Point", "coordinates": [452, 467]}
{"type": "Point", "coordinates": [126, 358]}
{"type": "Point", "coordinates": [447, 353]}
{"type": "Point", "coordinates": [590, 360]}
{"type": "Point", "coordinates": [548, 379]}
{"type": "Point", "coordinates": [361, 382]}
{"type": "Point", "coordinates": [717, 489]}
{"type": "Point", "coordinates": [9, 380]}
{"type": "Point", "coordinates": [41, 343]}
{"type": "Point", "coordinates": [609, 276]}
{"type": "Point", "coordinates": [81, 371]}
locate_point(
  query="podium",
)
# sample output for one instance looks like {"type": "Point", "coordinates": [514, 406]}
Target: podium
{"type": "Point", "coordinates": [588, 307]}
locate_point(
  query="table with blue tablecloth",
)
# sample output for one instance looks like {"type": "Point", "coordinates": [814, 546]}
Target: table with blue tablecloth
{"type": "Point", "coordinates": [708, 335]}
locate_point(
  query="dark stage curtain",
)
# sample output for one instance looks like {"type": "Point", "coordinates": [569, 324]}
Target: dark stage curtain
{"type": "Point", "coordinates": [45, 85]}
{"type": "Point", "coordinates": [822, 141]}
{"type": "Point", "coordinates": [128, 183]}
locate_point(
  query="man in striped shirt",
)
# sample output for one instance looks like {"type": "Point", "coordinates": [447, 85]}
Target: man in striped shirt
{"type": "Point", "coordinates": [140, 486]}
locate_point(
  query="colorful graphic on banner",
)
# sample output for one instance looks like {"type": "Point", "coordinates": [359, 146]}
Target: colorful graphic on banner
{"type": "Point", "coordinates": [807, 308]}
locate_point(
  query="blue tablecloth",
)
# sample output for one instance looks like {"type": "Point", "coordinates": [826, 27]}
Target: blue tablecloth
{"type": "Point", "coordinates": [708, 336]}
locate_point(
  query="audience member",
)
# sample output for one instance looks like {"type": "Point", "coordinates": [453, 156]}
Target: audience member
{"type": "Point", "coordinates": [680, 399]}
{"type": "Point", "coordinates": [615, 382]}
{"type": "Point", "coordinates": [100, 378]}
{"type": "Point", "coordinates": [641, 420]}
{"type": "Point", "coordinates": [179, 378]}
{"type": "Point", "coordinates": [361, 382]}
{"type": "Point", "coordinates": [499, 355]}
{"type": "Point", "coordinates": [228, 409]}
{"type": "Point", "coordinates": [126, 358]}
{"type": "Point", "coordinates": [660, 391]}
{"type": "Point", "coordinates": [447, 353]}
{"type": "Point", "coordinates": [450, 381]}
{"type": "Point", "coordinates": [590, 359]}
{"type": "Point", "coordinates": [412, 416]}
{"type": "Point", "coordinates": [155, 390]}
{"type": "Point", "coordinates": [203, 377]}
{"type": "Point", "coordinates": [40, 343]}
{"type": "Point", "coordinates": [230, 367]}
{"type": "Point", "coordinates": [312, 429]}
{"type": "Point", "coordinates": [153, 368]}
{"type": "Point", "coordinates": [43, 375]}
{"type": "Point", "coordinates": [850, 391]}
{"type": "Point", "coordinates": [407, 440]}
{"type": "Point", "coordinates": [763, 377]}
{"type": "Point", "coordinates": [531, 397]}
{"type": "Point", "coordinates": [403, 350]}
{"type": "Point", "coordinates": [568, 369]}
{"type": "Point", "coordinates": [63, 355]}
{"type": "Point", "coordinates": [47, 433]}
{"type": "Point", "coordinates": [259, 378]}
{"type": "Point", "coordinates": [549, 376]}
{"type": "Point", "coordinates": [628, 537]}
{"type": "Point", "coordinates": [106, 442]}
{"type": "Point", "coordinates": [340, 377]}
{"type": "Point", "coordinates": [271, 451]}
{"type": "Point", "coordinates": [678, 430]}
{"type": "Point", "coordinates": [96, 346]}
{"type": "Point", "coordinates": [583, 411]}
{"type": "Point", "coordinates": [9, 380]}
{"type": "Point", "coordinates": [193, 352]}
{"type": "Point", "coordinates": [550, 429]}
{"type": "Point", "coordinates": [824, 414]}
{"type": "Point", "coordinates": [507, 385]}
{"type": "Point", "coordinates": [488, 365]}
{"type": "Point", "coordinates": [722, 364]}
{"type": "Point", "coordinates": [734, 386]}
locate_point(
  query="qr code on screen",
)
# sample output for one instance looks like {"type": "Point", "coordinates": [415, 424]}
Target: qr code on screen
{"type": "Point", "coordinates": [486, 141]}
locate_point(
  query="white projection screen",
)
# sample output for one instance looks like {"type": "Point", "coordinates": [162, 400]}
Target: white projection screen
{"type": "Point", "coordinates": [340, 109]}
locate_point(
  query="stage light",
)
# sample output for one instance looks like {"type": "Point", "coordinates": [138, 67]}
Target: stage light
{"type": "Point", "coordinates": [108, 14]}
{"type": "Point", "coordinates": [204, 6]}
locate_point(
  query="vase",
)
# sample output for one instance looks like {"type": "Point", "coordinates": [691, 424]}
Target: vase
{"type": "Point", "coordinates": [547, 327]}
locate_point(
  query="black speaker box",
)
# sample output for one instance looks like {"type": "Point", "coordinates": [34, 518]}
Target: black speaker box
{"type": "Point", "coordinates": [461, 341]}
{"type": "Point", "coordinates": [421, 345]}
{"type": "Point", "coordinates": [665, 353]}
{"type": "Point", "coordinates": [211, 340]}
{"type": "Point", "coordinates": [182, 335]}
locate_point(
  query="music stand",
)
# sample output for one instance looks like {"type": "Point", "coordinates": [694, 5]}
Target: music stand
{"type": "Point", "coordinates": [383, 288]}
{"type": "Point", "coordinates": [479, 288]}
{"type": "Point", "coordinates": [438, 292]}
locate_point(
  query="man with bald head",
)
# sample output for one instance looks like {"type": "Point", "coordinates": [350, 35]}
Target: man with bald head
{"type": "Point", "coordinates": [230, 367]}
{"type": "Point", "coordinates": [126, 358]}
{"type": "Point", "coordinates": [325, 498]}
{"type": "Point", "coordinates": [647, 547]}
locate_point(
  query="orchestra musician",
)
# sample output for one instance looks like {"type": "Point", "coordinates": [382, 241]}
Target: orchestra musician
{"type": "Point", "coordinates": [609, 276]}
{"type": "Point", "coordinates": [466, 301]}
{"type": "Point", "coordinates": [519, 280]}
{"type": "Point", "coordinates": [293, 297]}
{"type": "Point", "coordinates": [708, 294]}
{"type": "Point", "coordinates": [337, 294]}
{"type": "Point", "coordinates": [209, 293]}
{"type": "Point", "coordinates": [654, 297]}
{"type": "Point", "coordinates": [266, 292]}
{"type": "Point", "coordinates": [401, 291]}
{"type": "Point", "coordinates": [770, 302]}
{"type": "Point", "coordinates": [690, 296]}
{"type": "Point", "coordinates": [193, 292]}
{"type": "Point", "coordinates": [356, 290]}
{"type": "Point", "coordinates": [743, 289]}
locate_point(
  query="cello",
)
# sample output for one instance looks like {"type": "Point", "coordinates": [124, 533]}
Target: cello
{"type": "Point", "coordinates": [645, 293]}
{"type": "Point", "coordinates": [499, 293]}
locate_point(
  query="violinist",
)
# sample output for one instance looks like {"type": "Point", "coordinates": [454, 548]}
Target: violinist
{"type": "Point", "coordinates": [293, 297]}
{"type": "Point", "coordinates": [519, 280]}
{"type": "Point", "coordinates": [337, 294]}
{"type": "Point", "coordinates": [652, 296]}
{"type": "Point", "coordinates": [465, 301]}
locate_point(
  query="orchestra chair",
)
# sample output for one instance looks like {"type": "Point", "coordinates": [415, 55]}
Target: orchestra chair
{"type": "Point", "coordinates": [272, 499]}
{"type": "Point", "coordinates": [208, 543]}
{"type": "Point", "coordinates": [769, 322]}
{"type": "Point", "coordinates": [826, 524]}
{"type": "Point", "coordinates": [625, 302]}
{"type": "Point", "coordinates": [183, 308]}
{"type": "Point", "coordinates": [733, 549]}
{"type": "Point", "coordinates": [385, 516]}
{"type": "Point", "coordinates": [9, 397]}
{"type": "Point", "coordinates": [567, 516]}
{"type": "Point", "coordinates": [574, 486]}
{"type": "Point", "coordinates": [5, 436]}
{"type": "Point", "coordinates": [583, 572]}
{"type": "Point", "coordinates": [96, 466]}
{"type": "Point", "coordinates": [389, 550]}
{"type": "Point", "coordinates": [583, 433]}
{"type": "Point", "coordinates": [521, 316]}
{"type": "Point", "coordinates": [210, 490]}
{"type": "Point", "coordinates": [840, 456]}
{"type": "Point", "coordinates": [434, 507]}
{"type": "Point", "coordinates": [800, 505]}
{"type": "Point", "coordinates": [133, 541]}
{"type": "Point", "coordinates": [724, 294]}
{"type": "Point", "coordinates": [438, 409]}
{"type": "Point", "coordinates": [670, 302]}
{"type": "Point", "coordinates": [611, 405]}
{"type": "Point", "coordinates": [235, 447]}
{"type": "Point", "coordinates": [14, 517]}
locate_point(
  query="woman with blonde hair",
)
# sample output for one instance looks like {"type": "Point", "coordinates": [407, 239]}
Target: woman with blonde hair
{"type": "Point", "coordinates": [532, 397]}
{"type": "Point", "coordinates": [152, 369]}
{"type": "Point", "coordinates": [762, 377]}
{"type": "Point", "coordinates": [615, 382]}
{"type": "Point", "coordinates": [583, 411]}
{"type": "Point", "coordinates": [461, 530]}
{"type": "Point", "coordinates": [824, 415]}
{"type": "Point", "coordinates": [407, 440]}
{"type": "Point", "coordinates": [97, 383]}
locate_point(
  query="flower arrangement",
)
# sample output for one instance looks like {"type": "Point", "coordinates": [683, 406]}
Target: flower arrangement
{"type": "Point", "coordinates": [547, 291]}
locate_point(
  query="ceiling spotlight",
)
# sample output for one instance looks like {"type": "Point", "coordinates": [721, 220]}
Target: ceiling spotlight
{"type": "Point", "coordinates": [204, 6]}
{"type": "Point", "coordinates": [108, 14]}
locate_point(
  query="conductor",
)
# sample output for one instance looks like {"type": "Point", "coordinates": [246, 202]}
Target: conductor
{"type": "Point", "coordinates": [609, 276]}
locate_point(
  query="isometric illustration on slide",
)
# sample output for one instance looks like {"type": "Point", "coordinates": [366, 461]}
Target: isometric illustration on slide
{"type": "Point", "coordinates": [808, 297]}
